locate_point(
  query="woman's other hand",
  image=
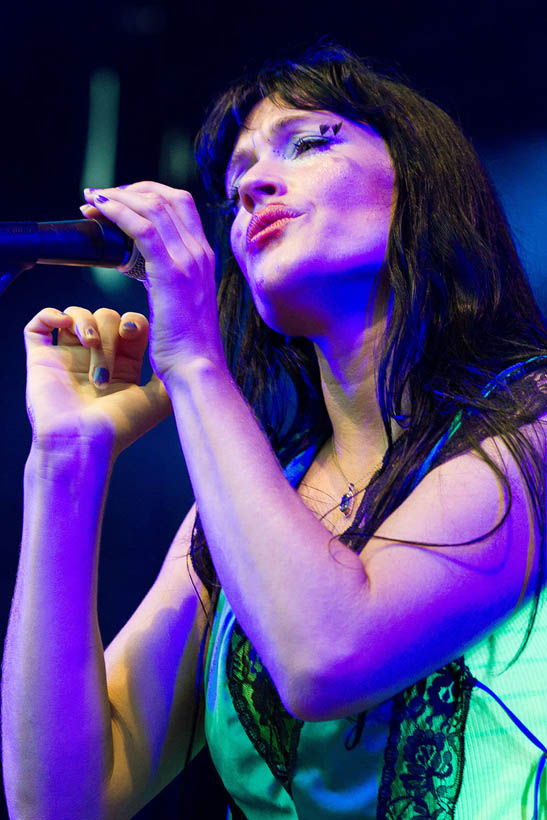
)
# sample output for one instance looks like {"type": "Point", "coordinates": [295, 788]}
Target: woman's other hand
{"type": "Point", "coordinates": [87, 386]}
{"type": "Point", "coordinates": [180, 267]}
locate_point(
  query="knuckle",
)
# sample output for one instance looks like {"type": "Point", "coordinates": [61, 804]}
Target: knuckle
{"type": "Point", "coordinates": [185, 197]}
{"type": "Point", "coordinates": [147, 232]}
{"type": "Point", "coordinates": [155, 204]}
{"type": "Point", "coordinates": [106, 314]}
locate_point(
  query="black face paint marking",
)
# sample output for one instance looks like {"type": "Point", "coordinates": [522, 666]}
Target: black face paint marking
{"type": "Point", "coordinates": [334, 128]}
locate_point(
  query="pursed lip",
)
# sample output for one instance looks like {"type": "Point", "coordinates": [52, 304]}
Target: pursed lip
{"type": "Point", "coordinates": [267, 216]}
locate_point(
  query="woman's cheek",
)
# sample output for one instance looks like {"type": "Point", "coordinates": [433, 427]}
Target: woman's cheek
{"type": "Point", "coordinates": [237, 243]}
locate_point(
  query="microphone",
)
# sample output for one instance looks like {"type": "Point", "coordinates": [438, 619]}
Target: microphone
{"type": "Point", "coordinates": [72, 242]}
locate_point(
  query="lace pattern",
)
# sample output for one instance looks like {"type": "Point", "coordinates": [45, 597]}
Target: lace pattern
{"type": "Point", "coordinates": [273, 731]}
{"type": "Point", "coordinates": [424, 755]}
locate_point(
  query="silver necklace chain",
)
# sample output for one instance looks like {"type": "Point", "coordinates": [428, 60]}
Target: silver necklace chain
{"type": "Point", "coordinates": [347, 501]}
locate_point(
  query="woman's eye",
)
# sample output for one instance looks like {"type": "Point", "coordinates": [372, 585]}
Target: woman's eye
{"type": "Point", "coordinates": [307, 143]}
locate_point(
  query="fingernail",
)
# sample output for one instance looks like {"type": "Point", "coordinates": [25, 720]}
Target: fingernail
{"type": "Point", "coordinates": [100, 376]}
{"type": "Point", "coordinates": [129, 326]}
{"type": "Point", "coordinates": [123, 186]}
{"type": "Point", "coordinates": [101, 198]}
{"type": "Point", "coordinates": [83, 207]}
{"type": "Point", "coordinates": [88, 190]}
{"type": "Point", "coordinates": [90, 332]}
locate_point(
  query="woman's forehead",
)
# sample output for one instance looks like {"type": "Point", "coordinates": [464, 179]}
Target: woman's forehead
{"type": "Point", "coordinates": [268, 118]}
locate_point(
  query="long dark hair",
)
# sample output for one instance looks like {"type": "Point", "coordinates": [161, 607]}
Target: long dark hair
{"type": "Point", "coordinates": [461, 307]}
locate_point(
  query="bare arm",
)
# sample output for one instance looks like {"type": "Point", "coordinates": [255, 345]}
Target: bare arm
{"type": "Point", "coordinates": [84, 736]}
{"type": "Point", "coordinates": [337, 632]}
{"type": "Point", "coordinates": [151, 671]}
{"type": "Point", "coordinates": [57, 740]}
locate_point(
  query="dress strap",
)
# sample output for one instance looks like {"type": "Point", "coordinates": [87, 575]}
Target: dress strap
{"type": "Point", "coordinates": [510, 374]}
{"type": "Point", "coordinates": [527, 733]}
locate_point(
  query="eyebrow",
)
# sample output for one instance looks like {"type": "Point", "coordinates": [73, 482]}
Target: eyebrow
{"type": "Point", "coordinates": [280, 125]}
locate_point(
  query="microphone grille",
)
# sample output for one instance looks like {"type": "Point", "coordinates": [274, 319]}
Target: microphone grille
{"type": "Point", "coordinates": [134, 267]}
{"type": "Point", "coordinates": [137, 271]}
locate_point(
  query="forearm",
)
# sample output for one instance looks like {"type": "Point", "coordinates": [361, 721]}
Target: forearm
{"type": "Point", "coordinates": [278, 564]}
{"type": "Point", "coordinates": [57, 742]}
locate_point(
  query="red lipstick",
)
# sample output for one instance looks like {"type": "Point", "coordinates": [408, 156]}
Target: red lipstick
{"type": "Point", "coordinates": [268, 220]}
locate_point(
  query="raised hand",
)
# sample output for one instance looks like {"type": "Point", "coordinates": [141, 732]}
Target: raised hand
{"type": "Point", "coordinates": [87, 385]}
{"type": "Point", "coordinates": [180, 269]}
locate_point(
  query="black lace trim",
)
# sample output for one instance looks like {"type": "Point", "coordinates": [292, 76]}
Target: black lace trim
{"type": "Point", "coordinates": [273, 731]}
{"type": "Point", "coordinates": [424, 755]}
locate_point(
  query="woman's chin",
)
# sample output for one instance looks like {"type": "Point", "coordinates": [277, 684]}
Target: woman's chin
{"type": "Point", "coordinates": [285, 318]}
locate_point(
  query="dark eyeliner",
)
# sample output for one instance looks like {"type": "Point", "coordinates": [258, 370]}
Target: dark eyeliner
{"type": "Point", "coordinates": [306, 143]}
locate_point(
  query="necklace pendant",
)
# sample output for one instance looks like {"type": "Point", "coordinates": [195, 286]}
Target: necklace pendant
{"type": "Point", "coordinates": [346, 502]}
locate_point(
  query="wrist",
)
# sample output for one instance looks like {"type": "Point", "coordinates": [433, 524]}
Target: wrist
{"type": "Point", "coordinates": [196, 371]}
{"type": "Point", "coordinates": [61, 456]}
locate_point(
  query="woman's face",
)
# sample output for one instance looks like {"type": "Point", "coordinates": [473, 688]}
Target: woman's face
{"type": "Point", "coordinates": [314, 201]}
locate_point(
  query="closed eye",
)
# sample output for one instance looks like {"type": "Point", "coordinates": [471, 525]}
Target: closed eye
{"type": "Point", "coordinates": [307, 143]}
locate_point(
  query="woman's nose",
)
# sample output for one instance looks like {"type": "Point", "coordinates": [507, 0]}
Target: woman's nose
{"type": "Point", "coordinates": [258, 186]}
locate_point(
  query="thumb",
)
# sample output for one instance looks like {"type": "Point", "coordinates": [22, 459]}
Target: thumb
{"type": "Point", "coordinates": [158, 398]}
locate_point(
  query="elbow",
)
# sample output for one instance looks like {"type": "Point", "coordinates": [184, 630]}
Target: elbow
{"type": "Point", "coordinates": [328, 693]}
{"type": "Point", "coordinates": [340, 686]}
{"type": "Point", "coordinates": [305, 701]}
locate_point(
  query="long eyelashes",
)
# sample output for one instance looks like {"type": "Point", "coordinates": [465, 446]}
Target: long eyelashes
{"type": "Point", "coordinates": [307, 143]}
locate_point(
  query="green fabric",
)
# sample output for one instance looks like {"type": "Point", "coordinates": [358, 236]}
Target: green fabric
{"type": "Point", "coordinates": [326, 781]}
{"type": "Point", "coordinates": [243, 772]}
{"type": "Point", "coordinates": [500, 762]}
{"type": "Point", "coordinates": [329, 782]}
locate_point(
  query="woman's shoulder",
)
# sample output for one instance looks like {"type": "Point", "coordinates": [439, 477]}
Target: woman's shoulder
{"type": "Point", "coordinates": [515, 401]}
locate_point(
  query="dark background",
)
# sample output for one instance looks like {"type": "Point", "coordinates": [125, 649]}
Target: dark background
{"type": "Point", "coordinates": [155, 67]}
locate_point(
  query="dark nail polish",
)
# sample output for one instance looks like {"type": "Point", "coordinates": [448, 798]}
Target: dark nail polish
{"type": "Point", "coordinates": [129, 326]}
{"type": "Point", "coordinates": [100, 375]}
{"type": "Point", "coordinates": [101, 198]}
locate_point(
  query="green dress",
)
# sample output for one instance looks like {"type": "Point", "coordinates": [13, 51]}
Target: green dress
{"type": "Point", "coordinates": [443, 748]}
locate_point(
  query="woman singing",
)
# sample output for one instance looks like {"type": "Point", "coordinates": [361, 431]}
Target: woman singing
{"type": "Point", "coordinates": [350, 616]}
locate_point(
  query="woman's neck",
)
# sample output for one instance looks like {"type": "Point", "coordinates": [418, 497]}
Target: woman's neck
{"type": "Point", "coordinates": [349, 384]}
